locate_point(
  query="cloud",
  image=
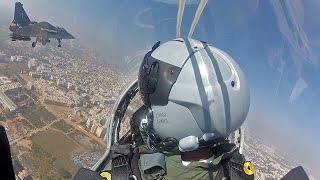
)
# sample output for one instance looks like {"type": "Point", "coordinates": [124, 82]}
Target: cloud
{"type": "Point", "coordinates": [300, 86]}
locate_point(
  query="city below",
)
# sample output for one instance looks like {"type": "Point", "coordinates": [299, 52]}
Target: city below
{"type": "Point", "coordinates": [269, 161]}
{"type": "Point", "coordinates": [55, 105]}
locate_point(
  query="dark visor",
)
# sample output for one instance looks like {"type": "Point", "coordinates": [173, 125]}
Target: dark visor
{"type": "Point", "coordinates": [156, 79]}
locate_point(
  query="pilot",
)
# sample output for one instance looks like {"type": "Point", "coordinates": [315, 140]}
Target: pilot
{"type": "Point", "coordinates": [194, 96]}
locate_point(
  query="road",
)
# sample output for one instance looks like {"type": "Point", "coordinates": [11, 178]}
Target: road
{"type": "Point", "coordinates": [76, 126]}
{"type": "Point", "coordinates": [36, 130]}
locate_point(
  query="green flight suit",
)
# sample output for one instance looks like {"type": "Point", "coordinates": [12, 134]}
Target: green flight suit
{"type": "Point", "coordinates": [175, 170]}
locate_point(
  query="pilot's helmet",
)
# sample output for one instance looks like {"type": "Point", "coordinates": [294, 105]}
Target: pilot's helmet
{"type": "Point", "coordinates": [194, 93]}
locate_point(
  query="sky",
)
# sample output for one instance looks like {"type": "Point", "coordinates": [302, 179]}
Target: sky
{"type": "Point", "coordinates": [276, 43]}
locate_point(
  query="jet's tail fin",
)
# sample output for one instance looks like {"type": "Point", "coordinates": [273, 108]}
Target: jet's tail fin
{"type": "Point", "coordinates": [20, 16]}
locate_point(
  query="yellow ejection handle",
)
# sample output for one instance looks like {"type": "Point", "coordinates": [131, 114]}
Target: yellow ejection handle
{"type": "Point", "coordinates": [249, 169]}
{"type": "Point", "coordinates": [106, 175]}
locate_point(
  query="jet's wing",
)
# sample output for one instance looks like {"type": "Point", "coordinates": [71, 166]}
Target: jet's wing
{"type": "Point", "coordinates": [15, 37]}
{"type": "Point", "coordinates": [48, 30]}
{"type": "Point", "coordinates": [20, 16]}
{"type": "Point", "coordinates": [27, 31]}
{"type": "Point", "coordinates": [63, 34]}
{"type": "Point", "coordinates": [43, 30]}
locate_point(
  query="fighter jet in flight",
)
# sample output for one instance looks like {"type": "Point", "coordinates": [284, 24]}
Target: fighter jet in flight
{"type": "Point", "coordinates": [23, 29]}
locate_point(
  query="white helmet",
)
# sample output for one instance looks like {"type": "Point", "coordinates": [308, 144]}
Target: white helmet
{"type": "Point", "coordinates": [195, 93]}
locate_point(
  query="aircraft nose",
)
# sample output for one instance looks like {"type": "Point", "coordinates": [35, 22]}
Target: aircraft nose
{"type": "Point", "coordinates": [70, 36]}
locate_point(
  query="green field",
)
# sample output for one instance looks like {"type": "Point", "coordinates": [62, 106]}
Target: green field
{"type": "Point", "coordinates": [51, 153]}
{"type": "Point", "coordinates": [57, 144]}
{"type": "Point", "coordinates": [26, 125]}
{"type": "Point", "coordinates": [86, 141]}
{"type": "Point", "coordinates": [62, 126]}
{"type": "Point", "coordinates": [50, 156]}
{"type": "Point", "coordinates": [44, 165]}
{"type": "Point", "coordinates": [7, 115]}
{"type": "Point", "coordinates": [38, 116]}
